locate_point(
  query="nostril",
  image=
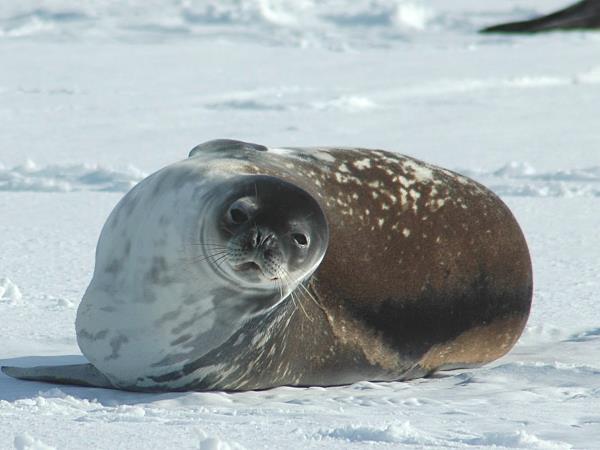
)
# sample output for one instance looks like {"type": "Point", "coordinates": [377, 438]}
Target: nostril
{"type": "Point", "coordinates": [260, 239]}
{"type": "Point", "coordinates": [268, 239]}
{"type": "Point", "coordinates": [256, 240]}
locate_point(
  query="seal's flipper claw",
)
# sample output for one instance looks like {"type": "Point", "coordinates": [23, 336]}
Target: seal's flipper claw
{"type": "Point", "coordinates": [222, 146]}
{"type": "Point", "coordinates": [76, 374]}
{"type": "Point", "coordinates": [580, 16]}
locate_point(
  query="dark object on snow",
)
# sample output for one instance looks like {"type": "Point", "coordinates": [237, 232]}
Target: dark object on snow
{"type": "Point", "coordinates": [584, 15]}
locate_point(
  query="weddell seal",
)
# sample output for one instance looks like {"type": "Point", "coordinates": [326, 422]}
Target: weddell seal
{"type": "Point", "coordinates": [583, 15]}
{"type": "Point", "coordinates": [246, 267]}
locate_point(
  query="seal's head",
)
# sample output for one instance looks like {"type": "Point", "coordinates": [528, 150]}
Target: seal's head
{"type": "Point", "coordinates": [269, 234]}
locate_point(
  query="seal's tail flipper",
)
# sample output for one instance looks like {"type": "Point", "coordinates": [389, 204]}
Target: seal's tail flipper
{"type": "Point", "coordinates": [77, 374]}
{"type": "Point", "coordinates": [582, 15]}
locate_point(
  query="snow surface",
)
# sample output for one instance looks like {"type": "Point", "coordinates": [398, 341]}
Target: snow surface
{"type": "Point", "coordinates": [94, 95]}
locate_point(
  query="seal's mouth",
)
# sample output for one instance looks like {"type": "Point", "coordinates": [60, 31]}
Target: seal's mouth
{"type": "Point", "coordinates": [252, 267]}
{"type": "Point", "coordinates": [247, 266]}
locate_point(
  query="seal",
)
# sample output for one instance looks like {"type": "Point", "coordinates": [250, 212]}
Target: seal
{"type": "Point", "coordinates": [583, 15]}
{"type": "Point", "coordinates": [245, 267]}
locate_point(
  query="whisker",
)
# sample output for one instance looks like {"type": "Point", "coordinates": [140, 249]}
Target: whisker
{"type": "Point", "coordinates": [208, 244]}
{"type": "Point", "coordinates": [221, 256]}
{"type": "Point", "coordinates": [197, 259]}
{"type": "Point", "coordinates": [299, 302]}
{"type": "Point", "coordinates": [221, 260]}
{"type": "Point", "coordinates": [301, 286]}
{"type": "Point", "coordinates": [295, 308]}
{"type": "Point", "coordinates": [204, 258]}
{"type": "Point", "coordinates": [311, 296]}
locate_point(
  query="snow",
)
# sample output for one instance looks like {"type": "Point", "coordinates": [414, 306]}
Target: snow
{"type": "Point", "coordinates": [95, 95]}
{"type": "Point", "coordinates": [9, 291]}
{"type": "Point", "coordinates": [65, 178]}
{"type": "Point", "coordinates": [26, 442]}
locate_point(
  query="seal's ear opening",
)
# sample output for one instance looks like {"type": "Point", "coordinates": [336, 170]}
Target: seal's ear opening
{"type": "Point", "coordinates": [227, 147]}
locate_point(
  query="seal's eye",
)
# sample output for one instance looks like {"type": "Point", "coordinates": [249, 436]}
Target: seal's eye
{"type": "Point", "coordinates": [301, 240]}
{"type": "Point", "coordinates": [238, 215]}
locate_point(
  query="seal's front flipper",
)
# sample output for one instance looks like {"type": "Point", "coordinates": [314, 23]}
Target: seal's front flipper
{"type": "Point", "coordinates": [582, 15]}
{"type": "Point", "coordinates": [77, 374]}
{"type": "Point", "coordinates": [223, 146]}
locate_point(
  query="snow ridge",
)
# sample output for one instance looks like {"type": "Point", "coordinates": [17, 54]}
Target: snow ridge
{"type": "Point", "coordinates": [290, 22]}
{"type": "Point", "coordinates": [335, 24]}
{"type": "Point", "coordinates": [10, 292]}
{"type": "Point", "coordinates": [26, 442]}
{"type": "Point", "coordinates": [67, 178]}
{"type": "Point", "coordinates": [399, 434]}
{"type": "Point", "coordinates": [406, 435]}
{"type": "Point", "coordinates": [523, 180]}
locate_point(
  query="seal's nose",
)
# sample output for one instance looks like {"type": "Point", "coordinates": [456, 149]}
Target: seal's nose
{"type": "Point", "coordinates": [261, 238]}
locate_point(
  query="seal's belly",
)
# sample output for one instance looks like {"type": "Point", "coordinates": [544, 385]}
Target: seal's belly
{"type": "Point", "coordinates": [131, 339]}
